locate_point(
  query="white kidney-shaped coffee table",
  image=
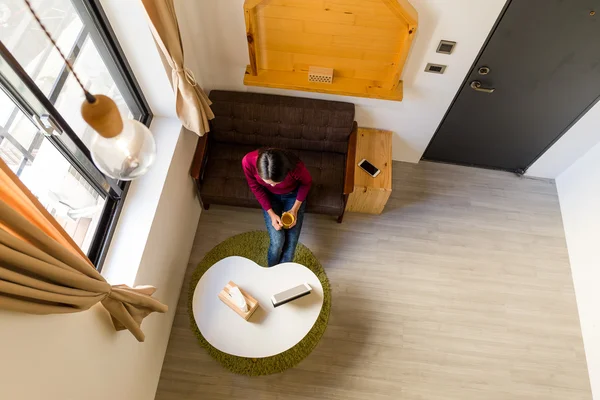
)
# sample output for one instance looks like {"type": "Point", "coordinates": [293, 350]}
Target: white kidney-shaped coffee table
{"type": "Point", "coordinates": [269, 331]}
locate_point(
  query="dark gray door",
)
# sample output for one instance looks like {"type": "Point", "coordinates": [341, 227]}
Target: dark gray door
{"type": "Point", "coordinates": [543, 73]}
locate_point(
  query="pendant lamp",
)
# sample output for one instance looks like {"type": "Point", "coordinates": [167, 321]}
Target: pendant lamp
{"type": "Point", "coordinates": [123, 150]}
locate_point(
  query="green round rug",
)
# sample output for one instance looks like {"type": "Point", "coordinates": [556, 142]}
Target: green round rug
{"type": "Point", "coordinates": [254, 245]}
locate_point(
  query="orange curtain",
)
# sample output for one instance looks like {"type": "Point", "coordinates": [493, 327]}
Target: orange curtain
{"type": "Point", "coordinates": [43, 271]}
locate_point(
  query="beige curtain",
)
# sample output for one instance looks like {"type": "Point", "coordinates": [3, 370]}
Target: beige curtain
{"type": "Point", "coordinates": [193, 106]}
{"type": "Point", "coordinates": [42, 271]}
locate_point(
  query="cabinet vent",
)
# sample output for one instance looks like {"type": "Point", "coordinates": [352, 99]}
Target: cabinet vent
{"type": "Point", "coordinates": [320, 75]}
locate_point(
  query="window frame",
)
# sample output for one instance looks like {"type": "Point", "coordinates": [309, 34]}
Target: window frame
{"type": "Point", "coordinates": [30, 99]}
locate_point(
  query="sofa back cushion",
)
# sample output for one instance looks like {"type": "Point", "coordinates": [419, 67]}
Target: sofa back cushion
{"type": "Point", "coordinates": [263, 120]}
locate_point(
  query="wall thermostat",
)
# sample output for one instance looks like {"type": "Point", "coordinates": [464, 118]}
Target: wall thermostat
{"type": "Point", "coordinates": [445, 47]}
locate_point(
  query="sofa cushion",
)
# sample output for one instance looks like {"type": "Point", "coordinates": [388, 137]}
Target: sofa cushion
{"type": "Point", "coordinates": [293, 123]}
{"type": "Point", "coordinates": [327, 171]}
{"type": "Point", "coordinates": [223, 181]}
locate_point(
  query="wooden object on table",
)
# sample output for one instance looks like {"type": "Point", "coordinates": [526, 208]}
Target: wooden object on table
{"type": "Point", "coordinates": [370, 194]}
{"type": "Point", "coordinates": [366, 43]}
{"type": "Point", "coordinates": [320, 75]}
{"type": "Point", "coordinates": [250, 301]}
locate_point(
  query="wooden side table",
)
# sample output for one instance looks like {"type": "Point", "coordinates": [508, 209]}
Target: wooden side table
{"type": "Point", "coordinates": [371, 194]}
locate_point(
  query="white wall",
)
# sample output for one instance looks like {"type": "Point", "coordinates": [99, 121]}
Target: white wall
{"type": "Point", "coordinates": [573, 144]}
{"type": "Point", "coordinates": [214, 37]}
{"type": "Point", "coordinates": [579, 194]}
{"type": "Point", "coordinates": [128, 21]}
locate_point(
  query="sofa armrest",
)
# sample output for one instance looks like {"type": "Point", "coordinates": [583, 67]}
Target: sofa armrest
{"type": "Point", "coordinates": [199, 157]}
{"type": "Point", "coordinates": [351, 161]}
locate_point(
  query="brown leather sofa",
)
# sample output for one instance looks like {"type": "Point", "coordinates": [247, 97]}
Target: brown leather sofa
{"type": "Point", "coordinates": [322, 133]}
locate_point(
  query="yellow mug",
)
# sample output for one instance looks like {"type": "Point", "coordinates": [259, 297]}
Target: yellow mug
{"type": "Point", "coordinates": [287, 219]}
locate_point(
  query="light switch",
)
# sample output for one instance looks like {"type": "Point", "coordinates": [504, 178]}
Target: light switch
{"type": "Point", "coordinates": [446, 47]}
{"type": "Point", "coordinates": [435, 68]}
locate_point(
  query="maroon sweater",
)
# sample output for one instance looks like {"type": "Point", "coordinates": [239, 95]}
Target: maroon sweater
{"type": "Point", "coordinates": [298, 178]}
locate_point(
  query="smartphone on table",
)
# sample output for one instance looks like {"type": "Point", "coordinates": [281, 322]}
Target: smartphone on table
{"type": "Point", "coordinates": [369, 168]}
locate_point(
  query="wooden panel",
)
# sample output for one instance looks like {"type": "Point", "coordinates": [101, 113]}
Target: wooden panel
{"type": "Point", "coordinates": [346, 72]}
{"type": "Point", "coordinates": [341, 85]}
{"type": "Point", "coordinates": [278, 60]}
{"type": "Point", "coordinates": [362, 40]}
{"type": "Point", "coordinates": [379, 56]}
{"type": "Point", "coordinates": [282, 24]}
{"type": "Point", "coordinates": [387, 21]}
{"type": "Point", "coordinates": [357, 7]}
{"type": "Point", "coordinates": [367, 3]}
{"type": "Point", "coordinates": [276, 39]}
{"type": "Point", "coordinates": [320, 50]}
{"type": "Point", "coordinates": [372, 75]}
{"type": "Point", "coordinates": [356, 31]}
{"type": "Point", "coordinates": [311, 4]}
{"type": "Point", "coordinates": [365, 43]}
{"type": "Point", "coordinates": [367, 200]}
{"type": "Point", "coordinates": [305, 14]}
{"type": "Point", "coordinates": [351, 64]}
{"type": "Point", "coordinates": [375, 70]}
{"type": "Point", "coordinates": [400, 61]}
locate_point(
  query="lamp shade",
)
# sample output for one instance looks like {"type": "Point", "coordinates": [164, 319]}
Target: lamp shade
{"type": "Point", "coordinates": [123, 150]}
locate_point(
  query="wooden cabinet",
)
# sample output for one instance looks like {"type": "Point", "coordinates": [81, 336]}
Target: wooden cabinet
{"type": "Point", "coordinates": [365, 43]}
{"type": "Point", "coordinates": [371, 194]}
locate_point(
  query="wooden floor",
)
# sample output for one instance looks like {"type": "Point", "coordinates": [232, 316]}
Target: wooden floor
{"type": "Point", "coordinates": [460, 290]}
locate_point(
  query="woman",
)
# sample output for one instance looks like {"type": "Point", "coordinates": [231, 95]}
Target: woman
{"type": "Point", "coordinates": [280, 182]}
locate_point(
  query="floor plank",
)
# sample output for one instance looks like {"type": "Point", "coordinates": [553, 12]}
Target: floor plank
{"type": "Point", "coordinates": [460, 290]}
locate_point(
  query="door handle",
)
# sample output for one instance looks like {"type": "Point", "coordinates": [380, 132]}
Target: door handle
{"type": "Point", "coordinates": [476, 85]}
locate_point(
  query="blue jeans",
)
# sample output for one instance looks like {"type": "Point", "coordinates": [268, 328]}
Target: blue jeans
{"type": "Point", "coordinates": [283, 243]}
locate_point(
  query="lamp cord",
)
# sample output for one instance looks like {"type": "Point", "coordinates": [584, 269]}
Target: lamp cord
{"type": "Point", "coordinates": [88, 96]}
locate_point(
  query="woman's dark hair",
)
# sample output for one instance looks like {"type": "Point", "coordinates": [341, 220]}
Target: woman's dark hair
{"type": "Point", "coordinates": [275, 164]}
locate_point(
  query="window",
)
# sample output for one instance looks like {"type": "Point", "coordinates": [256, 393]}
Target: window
{"type": "Point", "coordinates": [43, 138]}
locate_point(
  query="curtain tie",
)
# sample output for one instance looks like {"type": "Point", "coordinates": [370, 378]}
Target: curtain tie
{"type": "Point", "coordinates": [109, 292]}
{"type": "Point", "coordinates": [189, 75]}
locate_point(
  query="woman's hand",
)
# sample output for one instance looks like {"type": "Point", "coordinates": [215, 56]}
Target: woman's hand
{"type": "Point", "coordinates": [294, 212]}
{"type": "Point", "coordinates": [275, 220]}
